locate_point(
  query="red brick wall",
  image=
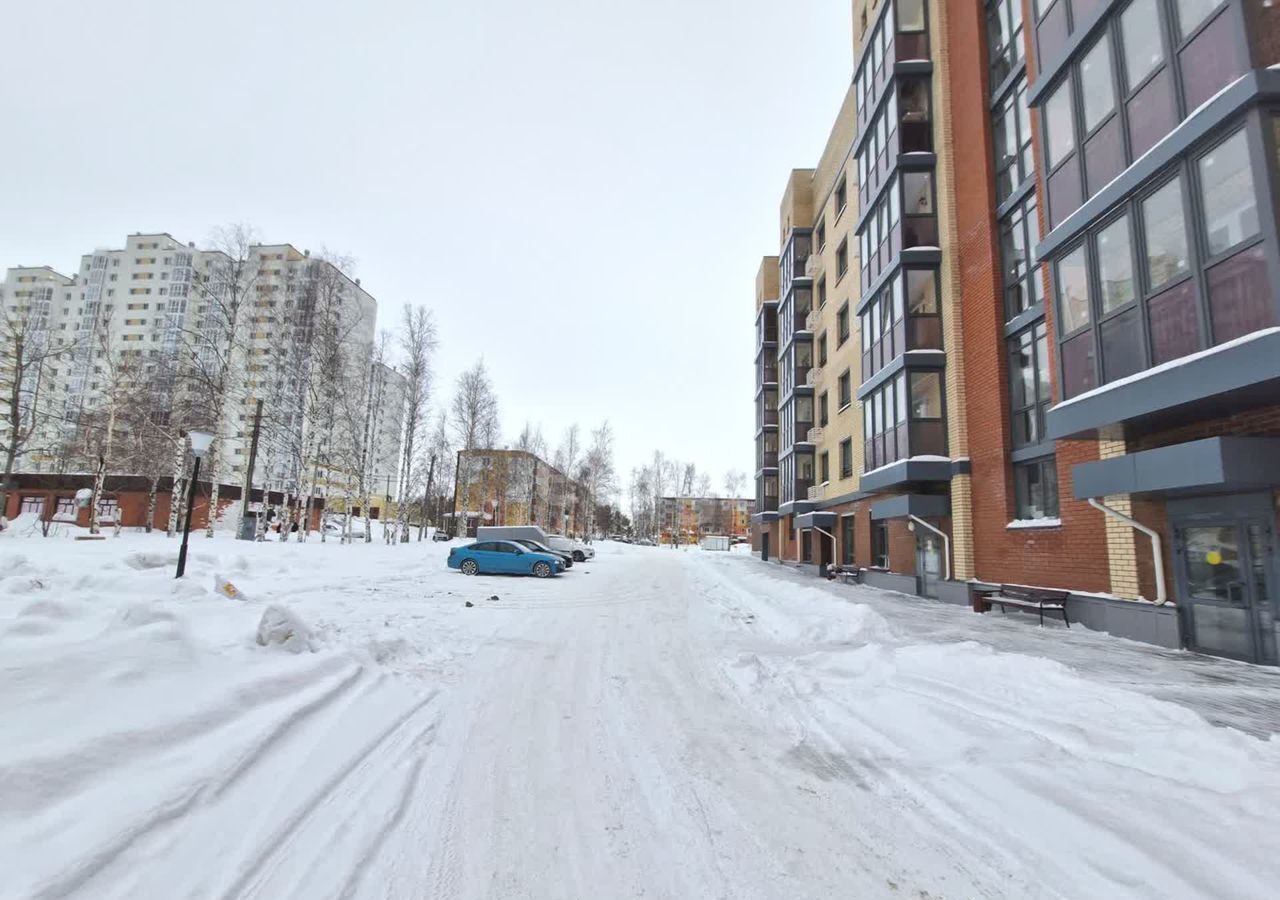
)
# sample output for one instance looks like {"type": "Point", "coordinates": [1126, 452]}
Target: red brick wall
{"type": "Point", "coordinates": [1073, 555]}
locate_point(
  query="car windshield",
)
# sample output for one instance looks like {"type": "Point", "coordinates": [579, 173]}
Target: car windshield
{"type": "Point", "coordinates": [533, 545]}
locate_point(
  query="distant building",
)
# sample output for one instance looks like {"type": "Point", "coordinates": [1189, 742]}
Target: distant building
{"type": "Point", "coordinates": [148, 323]}
{"type": "Point", "coordinates": [689, 518]}
{"type": "Point", "coordinates": [514, 487]}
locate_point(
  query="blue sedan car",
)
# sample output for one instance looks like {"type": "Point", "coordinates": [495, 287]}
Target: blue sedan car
{"type": "Point", "coordinates": [505, 557]}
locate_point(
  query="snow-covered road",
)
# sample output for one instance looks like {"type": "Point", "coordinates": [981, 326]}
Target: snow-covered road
{"type": "Point", "coordinates": [652, 724]}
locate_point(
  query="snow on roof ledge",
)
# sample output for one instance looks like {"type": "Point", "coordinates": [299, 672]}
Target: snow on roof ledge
{"type": "Point", "coordinates": [1168, 366]}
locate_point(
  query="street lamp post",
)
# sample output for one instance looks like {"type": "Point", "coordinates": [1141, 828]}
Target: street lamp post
{"type": "Point", "coordinates": [200, 442]}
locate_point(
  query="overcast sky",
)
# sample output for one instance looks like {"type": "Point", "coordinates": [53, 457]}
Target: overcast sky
{"type": "Point", "coordinates": [580, 190]}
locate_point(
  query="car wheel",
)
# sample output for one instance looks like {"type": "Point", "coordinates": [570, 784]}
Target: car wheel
{"type": "Point", "coordinates": [579, 556]}
{"type": "Point", "coordinates": [469, 567]}
{"type": "Point", "coordinates": [542, 570]}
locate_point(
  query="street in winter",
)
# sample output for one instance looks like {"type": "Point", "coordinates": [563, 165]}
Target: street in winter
{"type": "Point", "coordinates": [655, 722]}
{"type": "Point", "coordinates": [705, 450]}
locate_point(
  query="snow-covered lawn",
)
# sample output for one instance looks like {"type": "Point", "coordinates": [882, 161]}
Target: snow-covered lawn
{"type": "Point", "coordinates": [656, 723]}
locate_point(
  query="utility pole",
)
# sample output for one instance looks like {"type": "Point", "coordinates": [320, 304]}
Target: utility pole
{"type": "Point", "coordinates": [248, 477]}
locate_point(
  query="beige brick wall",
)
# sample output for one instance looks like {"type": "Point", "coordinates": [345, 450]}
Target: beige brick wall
{"type": "Point", "coordinates": [1122, 555]}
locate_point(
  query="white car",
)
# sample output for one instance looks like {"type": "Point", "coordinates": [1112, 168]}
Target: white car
{"type": "Point", "coordinates": [333, 528]}
{"type": "Point", "coordinates": [579, 551]}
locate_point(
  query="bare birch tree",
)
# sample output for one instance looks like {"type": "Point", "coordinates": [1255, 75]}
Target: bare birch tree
{"type": "Point", "coordinates": [417, 345]}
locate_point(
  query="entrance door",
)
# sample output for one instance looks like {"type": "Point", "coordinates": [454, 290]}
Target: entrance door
{"type": "Point", "coordinates": [1225, 564]}
{"type": "Point", "coordinates": [928, 563]}
{"type": "Point", "coordinates": [764, 546]}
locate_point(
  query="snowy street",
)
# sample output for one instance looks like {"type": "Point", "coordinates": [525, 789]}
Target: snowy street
{"type": "Point", "coordinates": [656, 723]}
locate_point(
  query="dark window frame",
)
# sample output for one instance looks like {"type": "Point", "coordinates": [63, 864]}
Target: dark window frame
{"type": "Point", "coordinates": [1186, 171]}
{"type": "Point", "coordinates": [1021, 503]}
{"type": "Point", "coordinates": [880, 537]}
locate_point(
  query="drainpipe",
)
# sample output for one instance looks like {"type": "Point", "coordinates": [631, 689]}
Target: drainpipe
{"type": "Point", "coordinates": [946, 542]}
{"type": "Point", "coordinates": [1157, 554]}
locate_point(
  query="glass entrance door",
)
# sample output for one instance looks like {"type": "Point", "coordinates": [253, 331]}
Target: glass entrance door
{"type": "Point", "coordinates": [928, 563]}
{"type": "Point", "coordinates": [1224, 562]}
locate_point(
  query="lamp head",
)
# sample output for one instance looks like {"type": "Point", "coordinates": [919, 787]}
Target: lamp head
{"type": "Point", "coordinates": [200, 442]}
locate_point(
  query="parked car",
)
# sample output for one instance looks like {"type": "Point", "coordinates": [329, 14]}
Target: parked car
{"type": "Point", "coordinates": [543, 548]}
{"type": "Point", "coordinates": [580, 552]}
{"type": "Point", "coordinates": [512, 533]}
{"type": "Point", "coordinates": [441, 536]}
{"type": "Point", "coordinates": [333, 527]}
{"type": "Point", "coordinates": [503, 557]}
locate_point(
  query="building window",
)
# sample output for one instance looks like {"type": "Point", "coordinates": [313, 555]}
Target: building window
{"type": "Point", "coordinates": [820, 234]}
{"type": "Point", "coordinates": [1030, 397]}
{"type": "Point", "coordinates": [1166, 234]}
{"type": "Point", "coordinates": [1228, 198]}
{"type": "Point", "coordinates": [846, 458]}
{"type": "Point", "coordinates": [1060, 132]}
{"type": "Point", "coordinates": [846, 540]}
{"type": "Point", "coordinates": [1019, 234]}
{"type": "Point", "coordinates": [1036, 489]}
{"type": "Point", "coordinates": [880, 544]}
{"type": "Point", "coordinates": [1097, 84]}
{"type": "Point", "coordinates": [1115, 265]}
{"type": "Point", "coordinates": [1192, 12]}
{"type": "Point", "coordinates": [1011, 126]}
{"type": "Point", "coordinates": [822, 349]}
{"type": "Point", "coordinates": [842, 325]}
{"type": "Point", "coordinates": [926, 395]}
{"type": "Point", "coordinates": [822, 292]}
{"type": "Point", "coordinates": [911, 15]}
{"type": "Point", "coordinates": [846, 389]}
{"type": "Point", "coordinates": [842, 196]}
{"type": "Point", "coordinates": [1140, 36]}
{"type": "Point", "coordinates": [824, 467]}
{"type": "Point", "coordinates": [842, 258]}
{"type": "Point", "coordinates": [822, 409]}
{"type": "Point", "coordinates": [32, 506]}
{"type": "Point", "coordinates": [1004, 38]}
{"type": "Point", "coordinates": [1073, 292]}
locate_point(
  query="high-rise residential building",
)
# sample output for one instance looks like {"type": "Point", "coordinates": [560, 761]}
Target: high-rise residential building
{"type": "Point", "coordinates": [182, 330]}
{"type": "Point", "coordinates": [1067, 315]}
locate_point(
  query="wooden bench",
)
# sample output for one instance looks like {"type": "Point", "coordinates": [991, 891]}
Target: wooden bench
{"type": "Point", "coordinates": [1026, 598]}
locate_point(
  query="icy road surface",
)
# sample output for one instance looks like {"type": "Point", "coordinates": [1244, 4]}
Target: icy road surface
{"type": "Point", "coordinates": [657, 723]}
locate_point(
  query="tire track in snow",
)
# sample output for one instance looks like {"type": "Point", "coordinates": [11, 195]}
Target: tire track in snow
{"type": "Point", "coordinates": [187, 795]}
{"type": "Point", "coordinates": [360, 764]}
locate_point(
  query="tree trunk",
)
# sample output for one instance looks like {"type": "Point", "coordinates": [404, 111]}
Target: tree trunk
{"type": "Point", "coordinates": [176, 492]}
{"type": "Point", "coordinates": [215, 452]}
{"type": "Point", "coordinates": [98, 479]}
{"type": "Point", "coordinates": [151, 501]}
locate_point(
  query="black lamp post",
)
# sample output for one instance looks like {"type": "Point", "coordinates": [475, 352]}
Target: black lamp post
{"type": "Point", "coordinates": [200, 442]}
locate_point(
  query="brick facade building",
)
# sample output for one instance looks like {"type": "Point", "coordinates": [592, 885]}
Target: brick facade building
{"type": "Point", "coordinates": [1089, 192]}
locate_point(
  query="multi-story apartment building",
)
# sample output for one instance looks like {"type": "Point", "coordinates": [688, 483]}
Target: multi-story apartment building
{"type": "Point", "coordinates": [690, 518]}
{"type": "Point", "coordinates": [514, 487]}
{"type": "Point", "coordinates": [279, 326]}
{"type": "Point", "coordinates": [35, 304]}
{"type": "Point", "coordinates": [1068, 312]}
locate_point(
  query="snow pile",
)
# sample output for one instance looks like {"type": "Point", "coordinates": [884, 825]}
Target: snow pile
{"type": "Point", "coordinates": [283, 628]}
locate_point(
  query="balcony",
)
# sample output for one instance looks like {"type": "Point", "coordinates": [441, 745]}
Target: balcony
{"type": "Point", "coordinates": [813, 266]}
{"type": "Point", "coordinates": [811, 320]}
{"type": "Point", "coordinates": [813, 376]}
{"type": "Point", "coordinates": [815, 435]}
{"type": "Point", "coordinates": [803, 430]}
{"type": "Point", "coordinates": [767, 374]}
{"type": "Point", "coordinates": [817, 492]}
{"type": "Point", "coordinates": [767, 418]}
{"type": "Point", "coordinates": [767, 460]}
